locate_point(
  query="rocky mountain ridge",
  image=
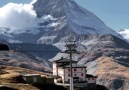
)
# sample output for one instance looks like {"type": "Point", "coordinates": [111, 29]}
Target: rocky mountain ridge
{"type": "Point", "coordinates": [102, 49]}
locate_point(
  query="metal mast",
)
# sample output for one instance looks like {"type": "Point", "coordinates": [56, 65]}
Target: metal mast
{"type": "Point", "coordinates": [71, 48]}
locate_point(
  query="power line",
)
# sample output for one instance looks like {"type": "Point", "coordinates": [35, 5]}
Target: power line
{"type": "Point", "coordinates": [33, 51]}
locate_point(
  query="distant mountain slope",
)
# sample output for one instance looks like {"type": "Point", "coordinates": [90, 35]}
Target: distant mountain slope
{"type": "Point", "coordinates": [23, 60]}
{"type": "Point", "coordinates": [38, 50]}
{"type": "Point", "coordinates": [27, 55]}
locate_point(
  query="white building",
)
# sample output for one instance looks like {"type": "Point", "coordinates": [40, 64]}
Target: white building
{"type": "Point", "coordinates": [91, 79]}
{"type": "Point", "coordinates": [61, 68]}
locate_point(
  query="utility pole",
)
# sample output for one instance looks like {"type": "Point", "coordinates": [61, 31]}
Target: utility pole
{"type": "Point", "coordinates": [71, 48]}
{"type": "Point", "coordinates": [0, 75]}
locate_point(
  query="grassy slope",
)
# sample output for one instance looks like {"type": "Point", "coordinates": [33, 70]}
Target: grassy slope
{"type": "Point", "coordinates": [11, 80]}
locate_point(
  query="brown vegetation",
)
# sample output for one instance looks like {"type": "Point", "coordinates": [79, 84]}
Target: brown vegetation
{"type": "Point", "coordinates": [109, 66]}
{"type": "Point", "coordinates": [11, 80]}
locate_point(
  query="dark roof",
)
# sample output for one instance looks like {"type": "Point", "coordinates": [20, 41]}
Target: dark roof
{"type": "Point", "coordinates": [75, 66]}
{"type": "Point", "coordinates": [63, 64]}
{"type": "Point", "coordinates": [90, 76]}
{"type": "Point", "coordinates": [64, 60]}
{"type": "Point", "coordinates": [75, 77]}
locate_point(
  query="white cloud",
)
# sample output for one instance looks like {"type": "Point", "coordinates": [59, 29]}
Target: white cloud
{"type": "Point", "coordinates": [125, 33]}
{"type": "Point", "coordinates": [33, 1]}
{"type": "Point", "coordinates": [17, 15]}
{"type": "Point", "coordinates": [21, 18]}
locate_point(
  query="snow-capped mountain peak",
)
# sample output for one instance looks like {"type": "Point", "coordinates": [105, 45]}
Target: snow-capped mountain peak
{"type": "Point", "coordinates": [71, 18]}
{"type": "Point", "coordinates": [59, 20]}
{"type": "Point", "coordinates": [80, 20]}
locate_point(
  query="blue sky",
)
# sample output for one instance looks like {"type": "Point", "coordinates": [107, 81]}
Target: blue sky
{"type": "Point", "coordinates": [114, 13]}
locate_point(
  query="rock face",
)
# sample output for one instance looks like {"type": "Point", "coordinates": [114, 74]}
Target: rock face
{"type": "Point", "coordinates": [108, 58]}
{"type": "Point", "coordinates": [103, 51]}
{"type": "Point", "coordinates": [113, 73]}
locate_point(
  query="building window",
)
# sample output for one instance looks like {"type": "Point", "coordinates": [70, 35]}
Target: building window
{"type": "Point", "coordinates": [88, 78]}
{"type": "Point", "coordinates": [75, 69]}
{"type": "Point", "coordinates": [68, 69]}
{"type": "Point", "coordinates": [92, 78]}
{"type": "Point", "coordinates": [75, 74]}
{"type": "Point", "coordinates": [82, 69]}
{"type": "Point", "coordinates": [68, 80]}
{"type": "Point", "coordinates": [82, 74]}
{"type": "Point", "coordinates": [69, 75]}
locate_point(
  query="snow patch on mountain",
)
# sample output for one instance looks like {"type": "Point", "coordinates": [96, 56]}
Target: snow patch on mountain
{"type": "Point", "coordinates": [47, 38]}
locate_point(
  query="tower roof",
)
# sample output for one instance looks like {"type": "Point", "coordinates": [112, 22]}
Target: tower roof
{"type": "Point", "coordinates": [64, 60]}
{"type": "Point", "coordinates": [75, 66]}
{"type": "Point", "coordinates": [90, 76]}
